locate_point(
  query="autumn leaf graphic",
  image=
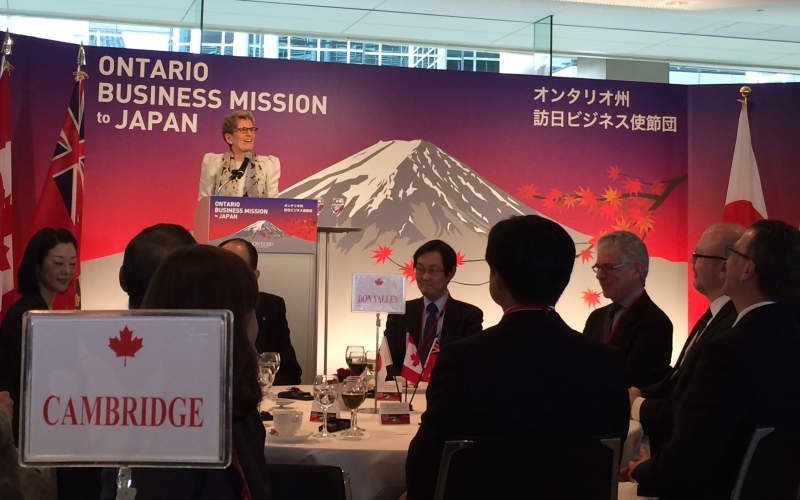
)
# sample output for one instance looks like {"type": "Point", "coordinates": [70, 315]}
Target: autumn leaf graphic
{"type": "Point", "coordinates": [590, 297]}
{"type": "Point", "coordinates": [633, 186]}
{"type": "Point", "coordinates": [657, 187]}
{"type": "Point", "coordinates": [585, 255]}
{"type": "Point", "coordinates": [460, 259]}
{"type": "Point", "coordinates": [126, 345]}
{"type": "Point", "coordinates": [381, 254]}
{"type": "Point", "coordinates": [527, 192]}
{"type": "Point", "coordinates": [408, 270]}
{"type": "Point", "coordinates": [613, 172]}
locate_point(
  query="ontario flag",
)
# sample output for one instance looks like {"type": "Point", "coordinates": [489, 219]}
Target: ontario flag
{"type": "Point", "coordinates": [745, 201]}
{"type": "Point", "coordinates": [61, 202]}
{"type": "Point", "coordinates": [412, 365]}
{"type": "Point", "coordinates": [7, 292]}
{"type": "Point", "coordinates": [431, 361]}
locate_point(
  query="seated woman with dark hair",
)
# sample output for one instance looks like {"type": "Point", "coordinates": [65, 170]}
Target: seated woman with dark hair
{"type": "Point", "coordinates": [205, 277]}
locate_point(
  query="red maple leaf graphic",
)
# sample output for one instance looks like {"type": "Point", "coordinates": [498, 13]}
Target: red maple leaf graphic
{"type": "Point", "coordinates": [414, 359]}
{"type": "Point", "coordinates": [590, 297]}
{"type": "Point", "coordinates": [633, 186]}
{"type": "Point", "coordinates": [586, 197]}
{"type": "Point", "coordinates": [408, 270]}
{"type": "Point", "coordinates": [381, 254]}
{"type": "Point", "coordinates": [126, 345]}
{"type": "Point", "coordinates": [527, 192]}
{"type": "Point", "coordinates": [554, 194]}
{"type": "Point", "coordinates": [585, 255]}
{"type": "Point", "coordinates": [613, 172]}
{"type": "Point", "coordinates": [657, 187]}
{"type": "Point", "coordinates": [379, 282]}
{"type": "Point", "coordinates": [460, 259]}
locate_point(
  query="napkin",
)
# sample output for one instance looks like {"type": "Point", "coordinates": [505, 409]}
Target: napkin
{"type": "Point", "coordinates": [296, 393]}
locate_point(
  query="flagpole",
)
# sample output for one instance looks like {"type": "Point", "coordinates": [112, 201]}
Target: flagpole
{"type": "Point", "coordinates": [80, 74]}
{"type": "Point", "coordinates": [745, 93]}
{"type": "Point", "coordinates": [6, 52]}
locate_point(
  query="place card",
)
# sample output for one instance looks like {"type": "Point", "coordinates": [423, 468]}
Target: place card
{"type": "Point", "coordinates": [395, 414]}
{"type": "Point", "coordinates": [317, 412]}
{"type": "Point", "coordinates": [389, 390]}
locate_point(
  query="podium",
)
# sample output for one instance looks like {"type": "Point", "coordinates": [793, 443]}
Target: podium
{"type": "Point", "coordinates": [284, 231]}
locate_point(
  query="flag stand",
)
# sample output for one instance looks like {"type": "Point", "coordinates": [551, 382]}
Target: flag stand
{"type": "Point", "coordinates": [124, 489]}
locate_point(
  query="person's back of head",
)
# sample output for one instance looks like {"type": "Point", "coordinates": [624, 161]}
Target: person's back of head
{"type": "Point", "coordinates": [144, 253]}
{"type": "Point", "coordinates": [775, 251]}
{"type": "Point", "coordinates": [534, 257]}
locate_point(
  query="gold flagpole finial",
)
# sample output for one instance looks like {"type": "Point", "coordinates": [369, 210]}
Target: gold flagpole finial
{"type": "Point", "coordinates": [745, 93]}
{"type": "Point", "coordinates": [80, 74]}
{"type": "Point", "coordinates": [7, 45]}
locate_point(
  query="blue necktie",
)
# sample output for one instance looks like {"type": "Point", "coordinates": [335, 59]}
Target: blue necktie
{"type": "Point", "coordinates": [427, 343]}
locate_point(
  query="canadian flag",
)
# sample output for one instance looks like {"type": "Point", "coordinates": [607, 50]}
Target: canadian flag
{"type": "Point", "coordinates": [745, 201]}
{"type": "Point", "coordinates": [412, 365]}
{"type": "Point", "coordinates": [7, 294]}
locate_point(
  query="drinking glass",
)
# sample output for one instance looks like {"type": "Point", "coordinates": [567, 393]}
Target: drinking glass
{"type": "Point", "coordinates": [337, 206]}
{"type": "Point", "coordinates": [320, 205]}
{"type": "Point", "coordinates": [354, 392]}
{"type": "Point", "coordinates": [269, 362]}
{"type": "Point", "coordinates": [265, 380]}
{"type": "Point", "coordinates": [356, 359]}
{"type": "Point", "coordinates": [325, 389]}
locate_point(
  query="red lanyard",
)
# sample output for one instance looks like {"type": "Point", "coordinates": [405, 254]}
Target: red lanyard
{"type": "Point", "coordinates": [624, 312]}
{"type": "Point", "coordinates": [512, 309]}
{"type": "Point", "coordinates": [424, 338]}
{"type": "Point", "coordinates": [238, 466]}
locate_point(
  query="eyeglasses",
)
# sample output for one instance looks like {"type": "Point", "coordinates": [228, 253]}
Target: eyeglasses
{"type": "Point", "coordinates": [246, 129]}
{"type": "Point", "coordinates": [731, 250]}
{"type": "Point", "coordinates": [607, 268]}
{"type": "Point", "coordinates": [696, 256]}
{"type": "Point", "coordinates": [420, 271]}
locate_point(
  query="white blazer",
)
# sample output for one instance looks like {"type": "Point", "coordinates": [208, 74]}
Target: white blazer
{"type": "Point", "coordinates": [262, 176]}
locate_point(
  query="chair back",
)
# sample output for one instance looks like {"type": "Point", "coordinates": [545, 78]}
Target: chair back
{"type": "Point", "coordinates": [563, 468]}
{"type": "Point", "coordinates": [293, 481]}
{"type": "Point", "coordinates": [770, 467]}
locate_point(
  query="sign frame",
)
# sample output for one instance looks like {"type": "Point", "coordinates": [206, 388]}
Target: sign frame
{"type": "Point", "coordinates": [362, 282]}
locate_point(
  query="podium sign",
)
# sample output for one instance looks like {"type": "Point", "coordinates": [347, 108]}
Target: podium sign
{"type": "Point", "coordinates": [272, 225]}
{"type": "Point", "coordinates": [379, 293]}
{"type": "Point", "coordinates": [144, 388]}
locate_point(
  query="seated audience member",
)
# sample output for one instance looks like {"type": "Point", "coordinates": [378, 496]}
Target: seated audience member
{"type": "Point", "coordinates": [144, 253]}
{"type": "Point", "coordinates": [654, 405]}
{"type": "Point", "coordinates": [436, 315]}
{"type": "Point", "coordinates": [206, 277]}
{"type": "Point", "coordinates": [530, 261]}
{"type": "Point", "coordinates": [273, 329]}
{"type": "Point", "coordinates": [17, 483]}
{"type": "Point", "coordinates": [632, 322]}
{"type": "Point", "coordinates": [747, 377]}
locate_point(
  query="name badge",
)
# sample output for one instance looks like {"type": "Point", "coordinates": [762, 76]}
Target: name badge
{"type": "Point", "coordinates": [395, 414]}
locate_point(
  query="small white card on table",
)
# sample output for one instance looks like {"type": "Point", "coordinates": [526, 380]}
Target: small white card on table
{"type": "Point", "coordinates": [395, 414]}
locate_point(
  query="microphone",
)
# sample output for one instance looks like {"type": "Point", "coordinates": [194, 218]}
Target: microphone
{"type": "Point", "coordinates": [239, 172]}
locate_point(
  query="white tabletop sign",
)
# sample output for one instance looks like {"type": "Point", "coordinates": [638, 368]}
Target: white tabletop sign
{"type": "Point", "coordinates": [127, 387]}
{"type": "Point", "coordinates": [379, 293]}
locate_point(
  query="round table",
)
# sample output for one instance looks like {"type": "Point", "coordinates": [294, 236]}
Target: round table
{"type": "Point", "coordinates": [376, 462]}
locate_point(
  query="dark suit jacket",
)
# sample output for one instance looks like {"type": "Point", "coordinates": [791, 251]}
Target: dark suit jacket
{"type": "Point", "coordinates": [644, 336]}
{"type": "Point", "coordinates": [557, 381]}
{"type": "Point", "coordinates": [273, 336]}
{"type": "Point", "coordinates": [746, 377]}
{"type": "Point", "coordinates": [658, 409]}
{"type": "Point", "coordinates": [460, 320]}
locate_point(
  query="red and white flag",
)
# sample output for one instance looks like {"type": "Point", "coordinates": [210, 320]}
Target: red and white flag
{"type": "Point", "coordinates": [745, 201]}
{"type": "Point", "coordinates": [61, 202]}
{"type": "Point", "coordinates": [384, 356]}
{"type": "Point", "coordinates": [429, 364]}
{"type": "Point", "coordinates": [412, 365]}
{"type": "Point", "coordinates": [7, 291]}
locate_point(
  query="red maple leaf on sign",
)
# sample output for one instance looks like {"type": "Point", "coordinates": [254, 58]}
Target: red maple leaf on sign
{"type": "Point", "coordinates": [379, 282]}
{"type": "Point", "coordinates": [612, 196]}
{"type": "Point", "coordinates": [408, 270]}
{"type": "Point", "coordinates": [645, 224]}
{"type": "Point", "coordinates": [460, 259]}
{"type": "Point", "coordinates": [527, 192]}
{"type": "Point", "coordinates": [590, 297]}
{"type": "Point", "coordinates": [381, 254]}
{"type": "Point", "coordinates": [585, 255]}
{"type": "Point", "coordinates": [126, 345]}
{"type": "Point", "coordinates": [613, 172]}
{"type": "Point", "coordinates": [415, 359]}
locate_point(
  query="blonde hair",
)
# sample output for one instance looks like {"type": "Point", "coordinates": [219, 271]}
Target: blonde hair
{"type": "Point", "coordinates": [231, 122]}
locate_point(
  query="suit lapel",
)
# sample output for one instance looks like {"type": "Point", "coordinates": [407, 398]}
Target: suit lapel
{"type": "Point", "coordinates": [449, 320]}
{"type": "Point", "coordinates": [629, 316]}
{"type": "Point", "coordinates": [414, 313]}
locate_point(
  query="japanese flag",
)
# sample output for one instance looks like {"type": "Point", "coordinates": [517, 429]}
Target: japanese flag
{"type": "Point", "coordinates": [384, 360]}
{"type": "Point", "coordinates": [745, 201]}
{"type": "Point", "coordinates": [412, 365]}
{"type": "Point", "coordinates": [426, 373]}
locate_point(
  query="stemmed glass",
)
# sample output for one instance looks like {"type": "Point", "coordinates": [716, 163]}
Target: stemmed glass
{"type": "Point", "coordinates": [268, 365]}
{"type": "Point", "coordinates": [326, 388]}
{"type": "Point", "coordinates": [371, 378]}
{"type": "Point", "coordinates": [320, 205]}
{"type": "Point", "coordinates": [356, 359]}
{"type": "Point", "coordinates": [337, 206]}
{"type": "Point", "coordinates": [354, 392]}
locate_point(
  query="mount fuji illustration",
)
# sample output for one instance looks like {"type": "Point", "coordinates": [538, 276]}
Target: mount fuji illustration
{"type": "Point", "coordinates": [259, 230]}
{"type": "Point", "coordinates": [410, 191]}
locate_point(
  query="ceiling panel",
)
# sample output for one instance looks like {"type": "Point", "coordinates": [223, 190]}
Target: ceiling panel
{"type": "Point", "coordinates": [715, 56]}
{"type": "Point", "coordinates": [254, 16]}
{"type": "Point", "coordinates": [611, 35]}
{"type": "Point", "coordinates": [441, 22]}
{"type": "Point", "coordinates": [346, 4]}
{"type": "Point", "coordinates": [734, 44]}
{"type": "Point", "coordinates": [792, 61]}
{"type": "Point", "coordinates": [423, 36]}
{"type": "Point", "coordinates": [580, 46]}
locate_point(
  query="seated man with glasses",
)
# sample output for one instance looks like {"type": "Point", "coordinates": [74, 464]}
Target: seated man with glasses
{"type": "Point", "coordinates": [239, 172]}
{"type": "Point", "coordinates": [436, 315]}
{"type": "Point", "coordinates": [632, 322]}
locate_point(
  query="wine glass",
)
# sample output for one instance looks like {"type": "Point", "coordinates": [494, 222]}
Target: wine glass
{"type": "Point", "coordinates": [269, 362]}
{"type": "Point", "coordinates": [320, 205]}
{"type": "Point", "coordinates": [265, 380]}
{"type": "Point", "coordinates": [337, 206]}
{"type": "Point", "coordinates": [325, 389]}
{"type": "Point", "coordinates": [356, 359]}
{"type": "Point", "coordinates": [354, 392]}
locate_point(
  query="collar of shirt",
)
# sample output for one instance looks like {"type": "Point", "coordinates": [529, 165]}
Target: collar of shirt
{"type": "Point", "coordinates": [748, 309]}
{"type": "Point", "coordinates": [717, 305]}
{"type": "Point", "coordinates": [439, 302]}
{"type": "Point", "coordinates": [627, 300]}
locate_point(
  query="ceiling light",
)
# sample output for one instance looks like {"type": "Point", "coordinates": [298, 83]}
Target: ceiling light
{"type": "Point", "coordinates": [677, 4]}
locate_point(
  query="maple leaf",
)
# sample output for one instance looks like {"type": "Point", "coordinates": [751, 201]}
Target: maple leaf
{"type": "Point", "coordinates": [633, 186]}
{"type": "Point", "coordinates": [569, 201]}
{"type": "Point", "coordinates": [554, 194]}
{"type": "Point", "coordinates": [590, 297]}
{"type": "Point", "coordinates": [645, 224]}
{"type": "Point", "coordinates": [613, 172]}
{"type": "Point", "coordinates": [379, 282]}
{"type": "Point", "coordinates": [585, 255]}
{"type": "Point", "coordinates": [549, 202]}
{"type": "Point", "coordinates": [622, 224]}
{"type": "Point", "coordinates": [612, 196]}
{"type": "Point", "coordinates": [593, 240]}
{"type": "Point", "coordinates": [408, 270]}
{"type": "Point", "coordinates": [634, 214]}
{"type": "Point", "coordinates": [414, 359]}
{"type": "Point", "coordinates": [657, 187]}
{"type": "Point", "coordinates": [586, 197]}
{"type": "Point", "coordinates": [608, 210]}
{"type": "Point", "coordinates": [460, 259]}
{"type": "Point", "coordinates": [381, 254]}
{"type": "Point", "coordinates": [527, 191]}
{"type": "Point", "coordinates": [126, 345]}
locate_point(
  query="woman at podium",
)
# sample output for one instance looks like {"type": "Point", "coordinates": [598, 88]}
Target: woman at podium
{"type": "Point", "coordinates": [239, 172]}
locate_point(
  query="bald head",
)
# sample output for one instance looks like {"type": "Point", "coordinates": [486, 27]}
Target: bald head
{"type": "Point", "coordinates": [245, 250]}
{"type": "Point", "coordinates": [709, 260]}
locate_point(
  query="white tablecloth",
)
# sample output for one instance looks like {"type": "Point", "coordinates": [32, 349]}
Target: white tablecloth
{"type": "Point", "coordinates": [376, 463]}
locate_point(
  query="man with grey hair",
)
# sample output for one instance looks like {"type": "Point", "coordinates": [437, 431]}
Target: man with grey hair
{"type": "Point", "coordinates": [632, 322]}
